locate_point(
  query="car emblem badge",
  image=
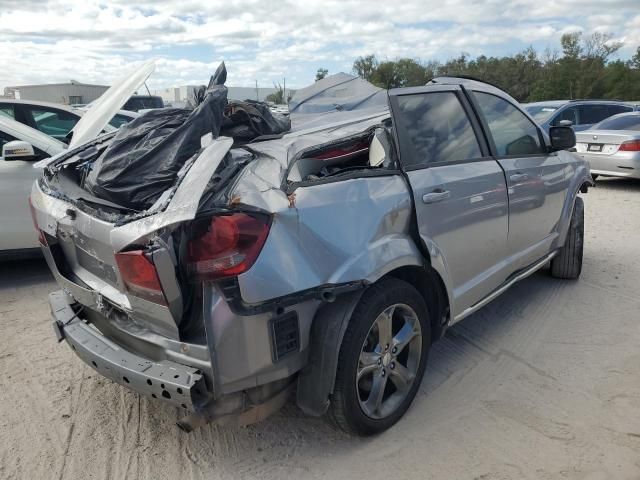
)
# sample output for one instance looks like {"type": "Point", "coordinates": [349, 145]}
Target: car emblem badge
{"type": "Point", "coordinates": [595, 137]}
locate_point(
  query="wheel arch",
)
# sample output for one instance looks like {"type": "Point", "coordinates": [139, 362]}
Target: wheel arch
{"type": "Point", "coordinates": [316, 380]}
{"type": "Point", "coordinates": [580, 185]}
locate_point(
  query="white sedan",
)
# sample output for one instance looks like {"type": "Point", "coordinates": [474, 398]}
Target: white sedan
{"type": "Point", "coordinates": [21, 146]}
{"type": "Point", "coordinates": [31, 131]}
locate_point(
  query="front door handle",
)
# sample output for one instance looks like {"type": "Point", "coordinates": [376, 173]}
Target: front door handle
{"type": "Point", "coordinates": [518, 177]}
{"type": "Point", "coordinates": [436, 196]}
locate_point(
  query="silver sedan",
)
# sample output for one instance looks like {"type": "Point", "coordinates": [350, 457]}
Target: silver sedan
{"type": "Point", "coordinates": [612, 147]}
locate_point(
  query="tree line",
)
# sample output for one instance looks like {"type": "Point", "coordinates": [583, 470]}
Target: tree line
{"type": "Point", "coordinates": [583, 68]}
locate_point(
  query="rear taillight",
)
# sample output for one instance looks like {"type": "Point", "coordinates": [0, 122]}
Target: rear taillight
{"type": "Point", "coordinates": [140, 276]}
{"type": "Point", "coordinates": [630, 146]}
{"type": "Point", "coordinates": [226, 245]}
{"type": "Point", "coordinates": [41, 237]}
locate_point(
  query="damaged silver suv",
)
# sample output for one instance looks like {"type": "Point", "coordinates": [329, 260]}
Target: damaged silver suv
{"type": "Point", "coordinates": [224, 259]}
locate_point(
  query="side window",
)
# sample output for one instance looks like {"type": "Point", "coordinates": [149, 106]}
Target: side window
{"type": "Point", "coordinates": [118, 120]}
{"type": "Point", "coordinates": [592, 113]}
{"type": "Point", "coordinates": [615, 109]}
{"type": "Point", "coordinates": [433, 127]}
{"type": "Point", "coordinates": [513, 133]}
{"type": "Point", "coordinates": [55, 123]}
{"type": "Point", "coordinates": [7, 110]}
{"type": "Point", "coordinates": [5, 138]}
{"type": "Point", "coordinates": [569, 113]}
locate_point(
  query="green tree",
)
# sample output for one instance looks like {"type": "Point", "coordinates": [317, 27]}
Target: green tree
{"type": "Point", "coordinates": [583, 67]}
{"type": "Point", "coordinates": [321, 73]}
{"type": "Point", "coordinates": [365, 67]}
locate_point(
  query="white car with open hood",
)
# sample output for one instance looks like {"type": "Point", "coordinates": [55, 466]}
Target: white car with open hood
{"type": "Point", "coordinates": [26, 150]}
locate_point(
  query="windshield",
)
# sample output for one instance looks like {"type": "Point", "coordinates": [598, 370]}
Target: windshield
{"type": "Point", "coordinates": [626, 122]}
{"type": "Point", "coordinates": [540, 113]}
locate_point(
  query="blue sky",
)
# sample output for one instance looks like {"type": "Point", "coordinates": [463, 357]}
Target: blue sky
{"type": "Point", "coordinates": [94, 41]}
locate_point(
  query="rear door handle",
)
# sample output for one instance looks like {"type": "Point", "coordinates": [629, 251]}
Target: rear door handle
{"type": "Point", "coordinates": [436, 196]}
{"type": "Point", "coordinates": [517, 177]}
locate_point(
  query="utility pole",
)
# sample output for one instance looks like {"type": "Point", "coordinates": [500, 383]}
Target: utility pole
{"type": "Point", "coordinates": [257, 94]}
{"type": "Point", "coordinates": [284, 90]}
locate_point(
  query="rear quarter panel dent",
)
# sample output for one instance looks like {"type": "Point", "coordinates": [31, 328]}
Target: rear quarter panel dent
{"type": "Point", "coordinates": [337, 232]}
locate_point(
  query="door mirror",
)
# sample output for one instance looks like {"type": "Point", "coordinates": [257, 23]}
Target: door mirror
{"type": "Point", "coordinates": [565, 123]}
{"type": "Point", "coordinates": [18, 150]}
{"type": "Point", "coordinates": [562, 138]}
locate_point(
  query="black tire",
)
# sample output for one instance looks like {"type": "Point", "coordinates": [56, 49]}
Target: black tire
{"type": "Point", "coordinates": [567, 263]}
{"type": "Point", "coordinates": [345, 410]}
{"type": "Point", "coordinates": [594, 176]}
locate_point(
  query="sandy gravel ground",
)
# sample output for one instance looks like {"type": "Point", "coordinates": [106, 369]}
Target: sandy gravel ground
{"type": "Point", "coordinates": [544, 383]}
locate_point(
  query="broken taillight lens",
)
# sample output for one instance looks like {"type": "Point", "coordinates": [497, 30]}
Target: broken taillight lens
{"type": "Point", "coordinates": [226, 245]}
{"type": "Point", "coordinates": [140, 276]}
{"type": "Point", "coordinates": [41, 238]}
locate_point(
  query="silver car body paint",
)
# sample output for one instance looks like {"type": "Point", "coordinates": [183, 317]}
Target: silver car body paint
{"type": "Point", "coordinates": [329, 232]}
{"type": "Point", "coordinates": [610, 161]}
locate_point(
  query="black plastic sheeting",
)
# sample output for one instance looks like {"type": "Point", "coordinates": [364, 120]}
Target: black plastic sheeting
{"type": "Point", "coordinates": [245, 121]}
{"type": "Point", "coordinates": [145, 156]}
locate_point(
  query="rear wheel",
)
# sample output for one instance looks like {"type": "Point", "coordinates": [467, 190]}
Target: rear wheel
{"type": "Point", "coordinates": [568, 262]}
{"type": "Point", "coordinates": [382, 358]}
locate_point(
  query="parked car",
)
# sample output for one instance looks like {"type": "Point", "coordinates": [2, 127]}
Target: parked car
{"type": "Point", "coordinates": [43, 129]}
{"type": "Point", "coordinates": [581, 114]}
{"type": "Point", "coordinates": [21, 146]}
{"type": "Point", "coordinates": [54, 119]}
{"type": "Point", "coordinates": [143, 102]}
{"type": "Point", "coordinates": [322, 262]}
{"type": "Point", "coordinates": [612, 147]}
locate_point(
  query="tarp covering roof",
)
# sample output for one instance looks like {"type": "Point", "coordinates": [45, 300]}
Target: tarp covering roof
{"type": "Point", "coordinates": [335, 98]}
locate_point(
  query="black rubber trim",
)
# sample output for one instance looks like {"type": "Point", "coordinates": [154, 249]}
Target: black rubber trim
{"type": "Point", "coordinates": [326, 293]}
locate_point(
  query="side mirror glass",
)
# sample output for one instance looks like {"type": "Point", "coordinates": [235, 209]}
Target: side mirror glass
{"type": "Point", "coordinates": [562, 138]}
{"type": "Point", "coordinates": [18, 150]}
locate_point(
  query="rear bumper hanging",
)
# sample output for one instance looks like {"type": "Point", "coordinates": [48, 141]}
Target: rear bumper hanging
{"type": "Point", "coordinates": [177, 384]}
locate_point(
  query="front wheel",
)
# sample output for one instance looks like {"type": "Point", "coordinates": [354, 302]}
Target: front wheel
{"type": "Point", "coordinates": [568, 262]}
{"type": "Point", "coordinates": [382, 358]}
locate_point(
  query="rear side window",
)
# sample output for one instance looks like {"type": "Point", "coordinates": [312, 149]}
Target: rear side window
{"type": "Point", "coordinates": [513, 133]}
{"type": "Point", "coordinates": [55, 123]}
{"type": "Point", "coordinates": [434, 128]}
{"type": "Point", "coordinates": [615, 109]}
{"type": "Point", "coordinates": [590, 114]}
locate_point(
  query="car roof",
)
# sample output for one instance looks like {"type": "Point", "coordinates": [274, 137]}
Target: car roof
{"type": "Point", "coordinates": [559, 103]}
{"type": "Point", "coordinates": [38, 103]}
{"type": "Point", "coordinates": [548, 103]}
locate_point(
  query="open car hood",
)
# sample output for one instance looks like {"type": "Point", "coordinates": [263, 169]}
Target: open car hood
{"type": "Point", "coordinates": [105, 107]}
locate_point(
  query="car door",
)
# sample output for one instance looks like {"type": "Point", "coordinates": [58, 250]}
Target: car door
{"type": "Point", "coordinates": [16, 179]}
{"type": "Point", "coordinates": [459, 190]}
{"type": "Point", "coordinates": [536, 179]}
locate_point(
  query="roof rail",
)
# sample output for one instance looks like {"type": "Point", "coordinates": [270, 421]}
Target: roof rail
{"type": "Point", "coordinates": [466, 77]}
{"type": "Point", "coordinates": [598, 100]}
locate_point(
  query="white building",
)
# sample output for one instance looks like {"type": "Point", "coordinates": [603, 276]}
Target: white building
{"type": "Point", "coordinates": [70, 93]}
{"type": "Point", "coordinates": [178, 96]}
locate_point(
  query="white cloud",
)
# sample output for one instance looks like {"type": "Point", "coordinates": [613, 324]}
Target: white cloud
{"type": "Point", "coordinates": [55, 40]}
